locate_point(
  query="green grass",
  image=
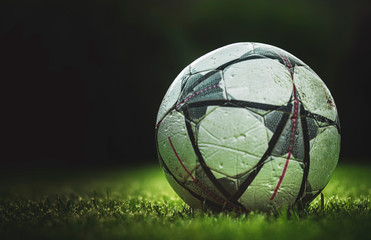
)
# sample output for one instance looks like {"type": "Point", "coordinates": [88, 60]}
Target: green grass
{"type": "Point", "coordinates": [138, 203]}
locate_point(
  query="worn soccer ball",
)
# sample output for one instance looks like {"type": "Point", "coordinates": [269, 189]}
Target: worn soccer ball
{"type": "Point", "coordinates": [248, 127]}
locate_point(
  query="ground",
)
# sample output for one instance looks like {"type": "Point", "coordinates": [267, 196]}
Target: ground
{"type": "Point", "coordinates": [138, 203]}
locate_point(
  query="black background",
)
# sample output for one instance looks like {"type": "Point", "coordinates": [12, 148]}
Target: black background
{"type": "Point", "coordinates": [81, 81]}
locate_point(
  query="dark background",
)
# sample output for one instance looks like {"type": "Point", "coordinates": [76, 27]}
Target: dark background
{"type": "Point", "coordinates": [81, 81]}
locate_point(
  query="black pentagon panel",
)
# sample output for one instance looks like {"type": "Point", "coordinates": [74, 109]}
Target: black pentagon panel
{"type": "Point", "coordinates": [197, 113]}
{"type": "Point", "coordinates": [188, 187]}
{"type": "Point", "coordinates": [201, 87]}
{"type": "Point", "coordinates": [209, 89]}
{"type": "Point", "coordinates": [322, 121]}
{"type": "Point", "coordinates": [251, 55]}
{"type": "Point", "coordinates": [283, 144]}
{"type": "Point", "coordinates": [288, 138]}
{"type": "Point", "coordinates": [191, 82]}
{"type": "Point", "coordinates": [312, 127]}
{"type": "Point", "coordinates": [269, 54]}
{"type": "Point", "coordinates": [272, 120]}
{"type": "Point", "coordinates": [229, 184]}
{"type": "Point", "coordinates": [205, 187]}
{"type": "Point", "coordinates": [245, 57]}
{"type": "Point", "coordinates": [298, 144]}
{"type": "Point", "coordinates": [277, 54]}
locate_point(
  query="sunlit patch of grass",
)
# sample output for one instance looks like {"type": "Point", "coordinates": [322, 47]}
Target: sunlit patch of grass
{"type": "Point", "coordinates": [138, 203]}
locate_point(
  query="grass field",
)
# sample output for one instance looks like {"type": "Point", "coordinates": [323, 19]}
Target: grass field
{"type": "Point", "coordinates": [137, 203]}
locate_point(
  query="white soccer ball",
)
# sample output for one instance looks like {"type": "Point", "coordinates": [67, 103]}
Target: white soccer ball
{"type": "Point", "coordinates": [248, 127]}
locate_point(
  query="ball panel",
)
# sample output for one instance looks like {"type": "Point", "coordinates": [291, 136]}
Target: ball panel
{"type": "Point", "coordinates": [231, 140]}
{"type": "Point", "coordinates": [204, 187]}
{"type": "Point", "coordinates": [276, 53]}
{"type": "Point", "coordinates": [183, 193]}
{"type": "Point", "coordinates": [172, 94]}
{"type": "Point", "coordinates": [312, 128]}
{"type": "Point", "coordinates": [220, 56]}
{"type": "Point", "coordinates": [258, 194]}
{"type": "Point", "coordinates": [272, 120]}
{"type": "Point", "coordinates": [179, 145]}
{"type": "Point", "coordinates": [324, 155]}
{"type": "Point", "coordinates": [314, 94]}
{"type": "Point", "coordinates": [276, 120]}
{"type": "Point", "coordinates": [196, 114]}
{"type": "Point", "coordinates": [290, 139]}
{"type": "Point", "coordinates": [228, 183]}
{"type": "Point", "coordinates": [203, 86]}
{"type": "Point", "coordinates": [259, 80]}
{"type": "Point", "coordinates": [202, 198]}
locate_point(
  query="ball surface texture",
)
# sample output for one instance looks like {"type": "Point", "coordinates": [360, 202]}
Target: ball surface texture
{"type": "Point", "coordinates": [248, 127]}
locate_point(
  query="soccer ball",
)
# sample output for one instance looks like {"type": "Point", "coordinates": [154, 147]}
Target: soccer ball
{"type": "Point", "coordinates": [248, 127]}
